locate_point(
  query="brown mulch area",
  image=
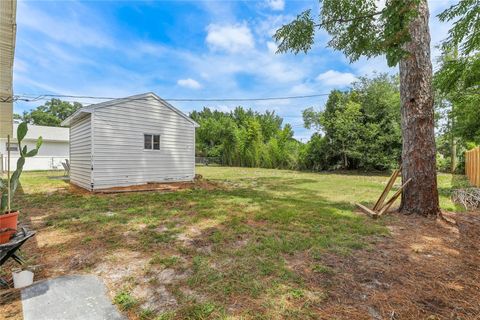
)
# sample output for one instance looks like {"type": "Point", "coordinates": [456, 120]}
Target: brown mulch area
{"type": "Point", "coordinates": [427, 269]}
{"type": "Point", "coordinates": [171, 186]}
{"type": "Point", "coordinates": [164, 186]}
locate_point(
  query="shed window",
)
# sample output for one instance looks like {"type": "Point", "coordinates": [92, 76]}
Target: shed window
{"type": "Point", "coordinates": [156, 142]}
{"type": "Point", "coordinates": [147, 141]}
{"type": "Point", "coordinates": [151, 141]}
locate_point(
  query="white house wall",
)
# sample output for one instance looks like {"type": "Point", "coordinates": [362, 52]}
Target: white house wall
{"type": "Point", "coordinates": [80, 152]}
{"type": "Point", "coordinates": [119, 157]}
{"type": "Point", "coordinates": [50, 156]}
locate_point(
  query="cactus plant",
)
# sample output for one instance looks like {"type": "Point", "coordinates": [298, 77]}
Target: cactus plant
{"type": "Point", "coordinates": [15, 178]}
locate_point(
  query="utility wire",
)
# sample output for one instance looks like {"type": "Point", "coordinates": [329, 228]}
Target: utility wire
{"type": "Point", "coordinates": [36, 97]}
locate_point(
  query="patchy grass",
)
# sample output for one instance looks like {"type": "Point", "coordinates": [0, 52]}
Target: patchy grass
{"type": "Point", "coordinates": [125, 300]}
{"type": "Point", "coordinates": [232, 249]}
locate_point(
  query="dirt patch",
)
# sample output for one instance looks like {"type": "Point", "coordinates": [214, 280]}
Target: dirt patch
{"type": "Point", "coordinates": [121, 265]}
{"type": "Point", "coordinates": [426, 269]}
{"type": "Point", "coordinates": [152, 290]}
{"type": "Point", "coordinates": [155, 298]}
{"type": "Point", "coordinates": [167, 186]}
{"type": "Point", "coordinates": [10, 304]}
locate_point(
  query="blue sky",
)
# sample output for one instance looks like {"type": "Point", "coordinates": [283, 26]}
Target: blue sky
{"type": "Point", "coordinates": [181, 49]}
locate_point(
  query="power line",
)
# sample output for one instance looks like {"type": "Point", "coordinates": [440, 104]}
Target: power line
{"type": "Point", "coordinates": [28, 97]}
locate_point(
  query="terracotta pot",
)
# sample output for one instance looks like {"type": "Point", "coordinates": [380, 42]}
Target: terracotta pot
{"type": "Point", "coordinates": [8, 226]}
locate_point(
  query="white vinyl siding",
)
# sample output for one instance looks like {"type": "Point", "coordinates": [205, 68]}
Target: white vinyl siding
{"type": "Point", "coordinates": [119, 156]}
{"type": "Point", "coordinates": [81, 152]}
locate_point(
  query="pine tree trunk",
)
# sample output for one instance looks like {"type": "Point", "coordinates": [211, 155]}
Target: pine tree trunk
{"type": "Point", "coordinates": [418, 153]}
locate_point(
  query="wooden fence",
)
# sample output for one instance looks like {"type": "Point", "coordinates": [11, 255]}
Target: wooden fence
{"type": "Point", "coordinates": [472, 166]}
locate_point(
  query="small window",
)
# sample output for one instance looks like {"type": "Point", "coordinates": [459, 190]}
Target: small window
{"type": "Point", "coordinates": [147, 141]}
{"type": "Point", "coordinates": [156, 142]}
{"type": "Point", "coordinates": [13, 146]}
{"type": "Point", "coordinates": [151, 141]}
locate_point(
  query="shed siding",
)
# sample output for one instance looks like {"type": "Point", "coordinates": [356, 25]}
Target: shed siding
{"type": "Point", "coordinates": [119, 155]}
{"type": "Point", "coordinates": [80, 152]}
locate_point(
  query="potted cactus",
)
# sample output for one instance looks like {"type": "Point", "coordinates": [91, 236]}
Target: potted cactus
{"type": "Point", "coordinates": [8, 217]}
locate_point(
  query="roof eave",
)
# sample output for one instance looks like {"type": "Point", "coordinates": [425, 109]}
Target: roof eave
{"type": "Point", "coordinates": [68, 121]}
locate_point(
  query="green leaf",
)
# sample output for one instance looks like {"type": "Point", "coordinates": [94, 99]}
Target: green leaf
{"type": "Point", "coordinates": [32, 153]}
{"type": "Point", "coordinates": [298, 35]}
{"type": "Point", "coordinates": [20, 164]}
{"type": "Point", "coordinates": [15, 179]}
{"type": "Point", "coordinates": [4, 201]}
{"type": "Point", "coordinates": [23, 151]}
{"type": "Point", "coordinates": [39, 142]}
{"type": "Point", "coordinates": [21, 131]}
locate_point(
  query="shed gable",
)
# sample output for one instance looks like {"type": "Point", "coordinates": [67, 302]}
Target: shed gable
{"type": "Point", "coordinates": [119, 154]}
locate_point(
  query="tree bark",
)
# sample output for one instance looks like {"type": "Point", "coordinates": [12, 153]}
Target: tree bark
{"type": "Point", "coordinates": [418, 153]}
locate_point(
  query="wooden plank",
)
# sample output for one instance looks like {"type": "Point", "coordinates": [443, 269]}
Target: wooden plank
{"type": "Point", "coordinates": [477, 168]}
{"type": "Point", "coordinates": [467, 164]}
{"type": "Point", "coordinates": [387, 189]}
{"type": "Point", "coordinates": [470, 166]}
{"type": "Point", "coordinates": [394, 197]}
{"type": "Point", "coordinates": [368, 211]}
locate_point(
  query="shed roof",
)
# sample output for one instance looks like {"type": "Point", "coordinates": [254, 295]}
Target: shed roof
{"type": "Point", "coordinates": [88, 109]}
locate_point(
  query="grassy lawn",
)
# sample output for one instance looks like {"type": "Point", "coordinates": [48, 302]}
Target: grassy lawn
{"type": "Point", "coordinates": [228, 250]}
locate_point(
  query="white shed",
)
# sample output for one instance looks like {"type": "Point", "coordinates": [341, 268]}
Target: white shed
{"type": "Point", "coordinates": [130, 141]}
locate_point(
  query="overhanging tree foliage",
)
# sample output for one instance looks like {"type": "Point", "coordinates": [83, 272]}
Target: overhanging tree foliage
{"type": "Point", "coordinates": [399, 30]}
{"type": "Point", "coordinates": [52, 113]}
{"type": "Point", "coordinates": [460, 71]}
{"type": "Point", "coordinates": [458, 81]}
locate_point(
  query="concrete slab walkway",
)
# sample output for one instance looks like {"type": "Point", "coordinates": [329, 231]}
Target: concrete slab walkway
{"type": "Point", "coordinates": [79, 297]}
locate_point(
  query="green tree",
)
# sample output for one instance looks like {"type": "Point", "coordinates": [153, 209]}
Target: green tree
{"type": "Point", "coordinates": [316, 154]}
{"type": "Point", "coordinates": [399, 30]}
{"type": "Point", "coordinates": [361, 127]}
{"type": "Point", "coordinates": [244, 137]}
{"type": "Point", "coordinates": [460, 70]}
{"type": "Point", "coordinates": [458, 78]}
{"type": "Point", "coordinates": [52, 113]}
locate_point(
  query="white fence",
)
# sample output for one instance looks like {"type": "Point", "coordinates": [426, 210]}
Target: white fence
{"type": "Point", "coordinates": [35, 163]}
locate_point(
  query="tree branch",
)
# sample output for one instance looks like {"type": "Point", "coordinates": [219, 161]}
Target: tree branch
{"type": "Point", "coordinates": [349, 20]}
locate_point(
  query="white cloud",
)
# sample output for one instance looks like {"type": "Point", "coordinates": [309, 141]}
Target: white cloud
{"type": "Point", "coordinates": [276, 4]}
{"type": "Point", "coordinates": [230, 38]}
{"type": "Point", "coordinates": [302, 88]}
{"type": "Point", "coordinates": [369, 66]}
{"type": "Point", "coordinates": [266, 26]}
{"type": "Point", "coordinates": [68, 29]}
{"type": "Point", "coordinates": [272, 47]}
{"type": "Point", "coordinates": [336, 78]}
{"type": "Point", "coordinates": [437, 6]}
{"type": "Point", "coordinates": [189, 83]}
{"type": "Point", "coordinates": [20, 65]}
